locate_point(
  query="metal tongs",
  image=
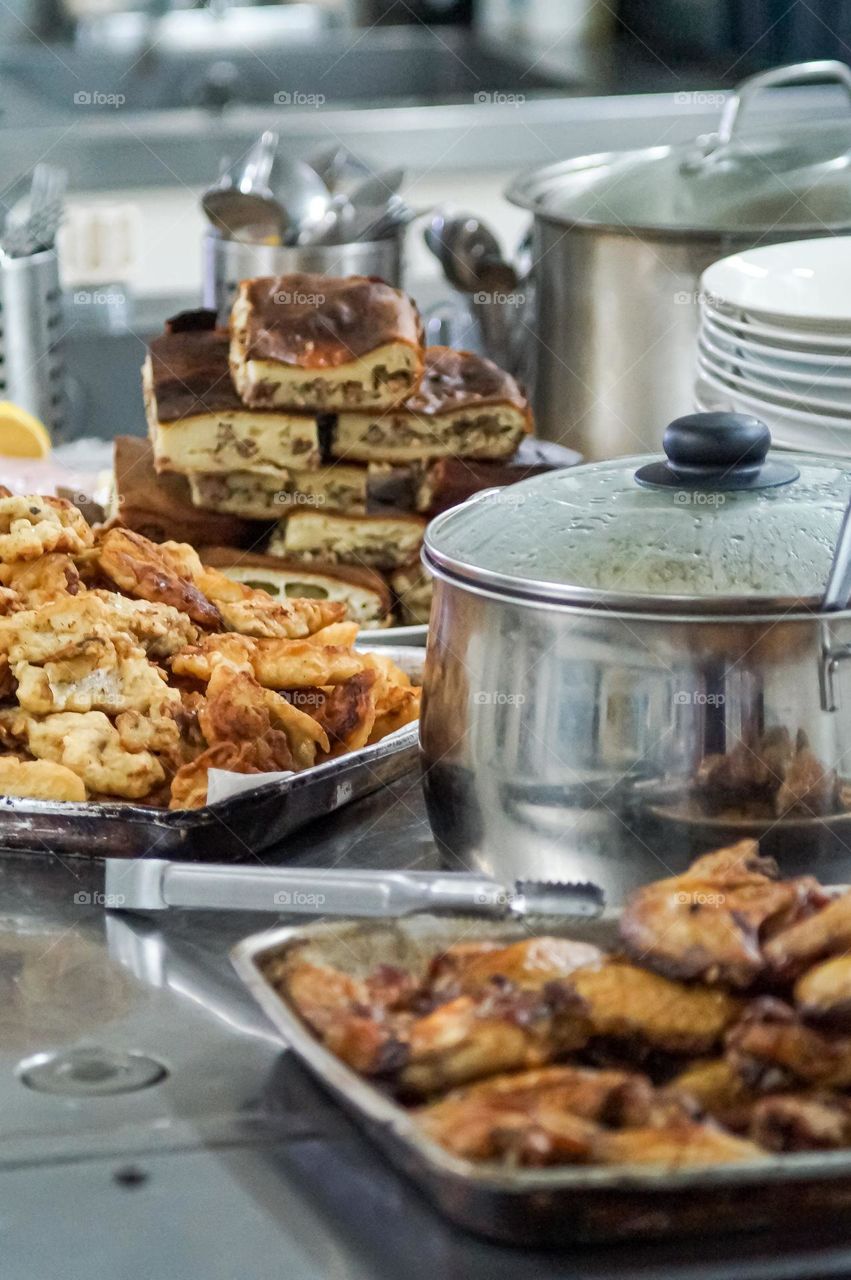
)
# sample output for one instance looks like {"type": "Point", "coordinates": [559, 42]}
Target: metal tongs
{"type": "Point", "coordinates": [152, 884]}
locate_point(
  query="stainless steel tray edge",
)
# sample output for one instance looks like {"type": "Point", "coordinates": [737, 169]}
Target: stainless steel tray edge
{"type": "Point", "coordinates": [238, 827]}
{"type": "Point", "coordinates": [540, 1206]}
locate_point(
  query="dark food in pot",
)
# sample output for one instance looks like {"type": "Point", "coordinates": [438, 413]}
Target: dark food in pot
{"type": "Point", "coordinates": [770, 777]}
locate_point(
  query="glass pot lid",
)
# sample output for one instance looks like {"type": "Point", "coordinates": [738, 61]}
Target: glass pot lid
{"type": "Point", "coordinates": [720, 526]}
{"type": "Point", "coordinates": [793, 179]}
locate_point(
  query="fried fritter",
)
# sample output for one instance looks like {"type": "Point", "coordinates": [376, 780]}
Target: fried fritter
{"type": "Point", "coordinates": [711, 921]}
{"type": "Point", "coordinates": [93, 675]}
{"type": "Point", "coordinates": [40, 634]}
{"type": "Point", "coordinates": [33, 526]}
{"type": "Point", "coordinates": [40, 581]}
{"type": "Point", "coordinates": [622, 1002]}
{"type": "Point", "coordinates": [147, 571]}
{"type": "Point", "coordinates": [39, 780]}
{"type": "Point", "coordinates": [276, 664]}
{"type": "Point", "coordinates": [346, 713]}
{"type": "Point", "coordinates": [90, 746]}
{"type": "Point", "coordinates": [537, 1117]}
{"type": "Point", "coordinates": [160, 628]}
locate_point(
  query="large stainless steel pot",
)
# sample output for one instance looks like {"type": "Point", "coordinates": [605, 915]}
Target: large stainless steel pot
{"type": "Point", "coordinates": [620, 241]}
{"type": "Point", "coordinates": [592, 641]}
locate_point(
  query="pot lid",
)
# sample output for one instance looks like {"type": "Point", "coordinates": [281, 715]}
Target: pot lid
{"type": "Point", "coordinates": [720, 526]}
{"type": "Point", "coordinates": [794, 180]}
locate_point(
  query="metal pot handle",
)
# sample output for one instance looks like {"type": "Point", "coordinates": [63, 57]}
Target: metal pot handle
{"type": "Point", "coordinates": [730, 124]}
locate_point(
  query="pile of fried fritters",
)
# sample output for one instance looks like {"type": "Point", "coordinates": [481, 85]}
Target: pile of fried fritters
{"type": "Point", "coordinates": [128, 669]}
{"type": "Point", "coordinates": [718, 1031]}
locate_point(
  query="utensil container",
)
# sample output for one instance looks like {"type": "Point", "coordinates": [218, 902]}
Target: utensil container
{"type": "Point", "coordinates": [227, 262]}
{"type": "Point", "coordinates": [32, 366]}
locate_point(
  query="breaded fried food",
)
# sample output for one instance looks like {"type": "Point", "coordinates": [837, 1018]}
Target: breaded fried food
{"type": "Point", "coordinates": [711, 922]}
{"type": "Point", "coordinates": [397, 700]}
{"type": "Point", "coordinates": [40, 581]}
{"type": "Point", "coordinates": [346, 713]}
{"type": "Point", "coordinates": [90, 746]}
{"type": "Point", "coordinates": [39, 780]}
{"type": "Point", "coordinates": [626, 1003]}
{"type": "Point", "coordinates": [33, 526]}
{"type": "Point", "coordinates": [147, 571]}
{"type": "Point", "coordinates": [93, 675]}
{"type": "Point", "coordinates": [276, 664]}
{"type": "Point", "coordinates": [41, 634]}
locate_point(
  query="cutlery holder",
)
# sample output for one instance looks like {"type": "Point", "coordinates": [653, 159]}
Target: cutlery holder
{"type": "Point", "coordinates": [32, 367]}
{"type": "Point", "coordinates": [226, 262]}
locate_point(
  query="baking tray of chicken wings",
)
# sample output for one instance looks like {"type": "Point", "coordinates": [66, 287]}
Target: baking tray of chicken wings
{"type": "Point", "coordinates": [678, 1068]}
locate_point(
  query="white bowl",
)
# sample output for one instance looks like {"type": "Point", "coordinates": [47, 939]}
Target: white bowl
{"type": "Point", "coordinates": [808, 281]}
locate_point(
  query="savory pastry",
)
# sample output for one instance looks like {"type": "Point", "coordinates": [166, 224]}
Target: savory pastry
{"type": "Point", "coordinates": [196, 420]}
{"type": "Point", "coordinates": [378, 542]}
{"type": "Point", "coordinates": [261, 496]}
{"type": "Point", "coordinates": [444, 483]}
{"type": "Point", "coordinates": [464, 406]}
{"type": "Point", "coordinates": [159, 505]}
{"type": "Point", "coordinates": [319, 343]}
{"type": "Point", "coordinates": [712, 922]}
{"type": "Point", "coordinates": [361, 591]}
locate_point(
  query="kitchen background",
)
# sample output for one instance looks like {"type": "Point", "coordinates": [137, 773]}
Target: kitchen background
{"type": "Point", "coordinates": [142, 106]}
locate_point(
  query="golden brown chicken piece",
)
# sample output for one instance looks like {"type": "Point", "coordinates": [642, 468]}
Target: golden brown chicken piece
{"type": "Point", "coordinates": [474, 1036]}
{"type": "Point", "coordinates": [276, 664]}
{"type": "Point", "coordinates": [711, 921]}
{"type": "Point", "coordinates": [625, 1003]}
{"type": "Point", "coordinates": [790, 1122]}
{"type": "Point", "coordinates": [537, 1117]}
{"type": "Point", "coordinates": [147, 571]}
{"type": "Point", "coordinates": [718, 1090]}
{"type": "Point", "coordinates": [34, 526]}
{"type": "Point", "coordinates": [90, 746]}
{"type": "Point", "coordinates": [771, 1048]}
{"type": "Point", "coordinates": [681, 1145]}
{"type": "Point", "coordinates": [822, 934]}
{"type": "Point", "coordinates": [823, 994]}
{"type": "Point", "coordinates": [468, 967]}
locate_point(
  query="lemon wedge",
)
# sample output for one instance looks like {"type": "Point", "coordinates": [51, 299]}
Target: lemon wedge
{"type": "Point", "coordinates": [21, 434]}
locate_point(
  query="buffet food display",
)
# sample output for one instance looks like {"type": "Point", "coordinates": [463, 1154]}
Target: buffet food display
{"type": "Point", "coordinates": [318, 432]}
{"type": "Point", "coordinates": [130, 669]}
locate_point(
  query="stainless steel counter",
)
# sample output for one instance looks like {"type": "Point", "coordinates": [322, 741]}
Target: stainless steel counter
{"type": "Point", "coordinates": [235, 1165]}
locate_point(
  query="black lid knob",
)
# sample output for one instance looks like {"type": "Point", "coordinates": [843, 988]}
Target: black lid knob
{"type": "Point", "coordinates": [718, 451]}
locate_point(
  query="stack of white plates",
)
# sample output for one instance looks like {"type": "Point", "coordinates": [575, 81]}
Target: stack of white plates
{"type": "Point", "coordinates": [775, 341]}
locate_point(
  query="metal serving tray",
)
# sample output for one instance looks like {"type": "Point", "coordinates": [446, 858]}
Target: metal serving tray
{"type": "Point", "coordinates": [531, 1206]}
{"type": "Point", "coordinates": [231, 829]}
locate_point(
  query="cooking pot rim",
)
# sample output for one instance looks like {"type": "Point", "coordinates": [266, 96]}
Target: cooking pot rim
{"type": "Point", "coordinates": [528, 188]}
{"type": "Point", "coordinates": [589, 602]}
